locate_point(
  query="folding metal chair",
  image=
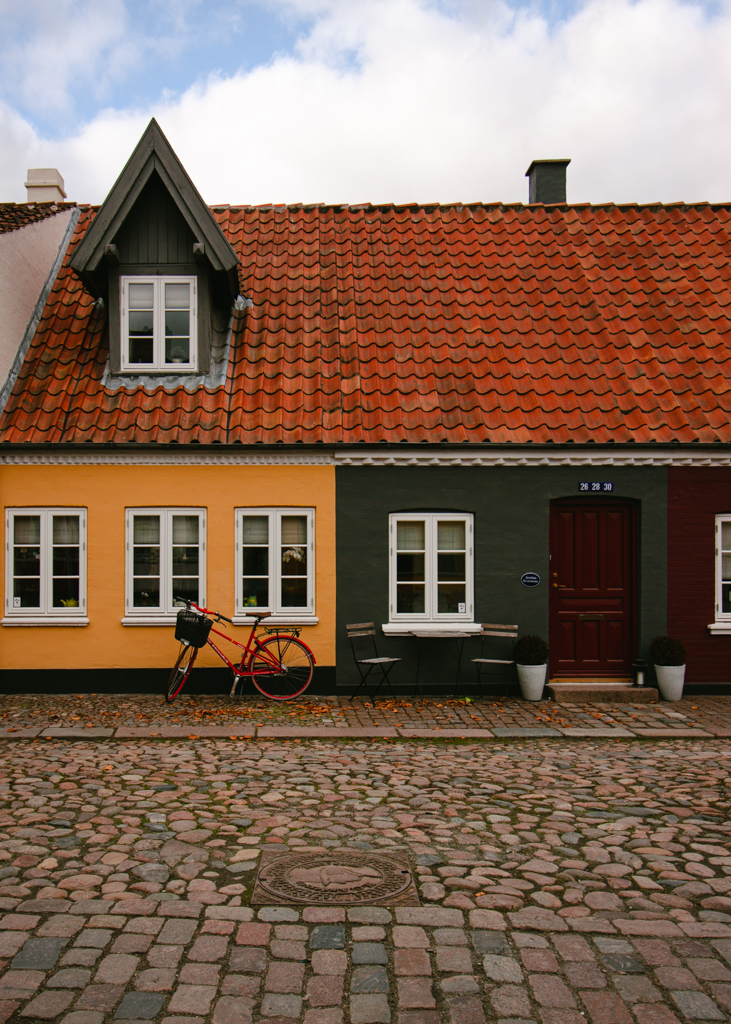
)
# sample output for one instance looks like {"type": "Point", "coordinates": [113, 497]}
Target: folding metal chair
{"type": "Point", "coordinates": [494, 629]}
{"type": "Point", "coordinates": [361, 629]}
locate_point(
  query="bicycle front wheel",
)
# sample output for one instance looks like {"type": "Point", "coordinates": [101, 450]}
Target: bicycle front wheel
{"type": "Point", "coordinates": [180, 672]}
{"type": "Point", "coordinates": [282, 668]}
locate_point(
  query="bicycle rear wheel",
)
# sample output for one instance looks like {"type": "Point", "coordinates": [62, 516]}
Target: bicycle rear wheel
{"type": "Point", "coordinates": [284, 668]}
{"type": "Point", "coordinates": [180, 672]}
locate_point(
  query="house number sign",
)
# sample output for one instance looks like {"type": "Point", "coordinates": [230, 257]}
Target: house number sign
{"type": "Point", "coordinates": [595, 485]}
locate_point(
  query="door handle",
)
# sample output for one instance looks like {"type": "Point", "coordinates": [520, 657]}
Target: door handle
{"type": "Point", "coordinates": [560, 586]}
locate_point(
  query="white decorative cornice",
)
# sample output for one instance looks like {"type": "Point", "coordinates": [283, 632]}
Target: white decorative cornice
{"type": "Point", "coordinates": [466, 457]}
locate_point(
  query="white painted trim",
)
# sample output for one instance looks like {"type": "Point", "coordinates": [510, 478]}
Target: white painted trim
{"type": "Point", "coordinates": [430, 616]}
{"type": "Point", "coordinates": [165, 610]}
{"type": "Point", "coordinates": [46, 613]}
{"type": "Point", "coordinates": [149, 620]}
{"type": "Point", "coordinates": [278, 620]}
{"type": "Point", "coordinates": [274, 516]}
{"type": "Point", "coordinates": [228, 455]}
{"type": "Point", "coordinates": [45, 620]}
{"type": "Point", "coordinates": [719, 628]}
{"type": "Point", "coordinates": [158, 364]}
{"type": "Point", "coordinates": [405, 628]}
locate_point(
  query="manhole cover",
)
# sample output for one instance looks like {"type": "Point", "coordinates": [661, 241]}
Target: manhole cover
{"type": "Point", "coordinates": [336, 878]}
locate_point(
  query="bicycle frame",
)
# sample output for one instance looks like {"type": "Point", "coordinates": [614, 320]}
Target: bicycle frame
{"type": "Point", "coordinates": [252, 646]}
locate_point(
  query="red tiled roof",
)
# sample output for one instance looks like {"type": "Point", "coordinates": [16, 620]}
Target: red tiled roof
{"type": "Point", "coordinates": [17, 215]}
{"type": "Point", "coordinates": [451, 323]}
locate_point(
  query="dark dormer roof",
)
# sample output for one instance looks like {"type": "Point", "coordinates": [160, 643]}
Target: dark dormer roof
{"type": "Point", "coordinates": [153, 158]}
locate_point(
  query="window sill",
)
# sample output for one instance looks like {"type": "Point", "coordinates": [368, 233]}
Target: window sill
{"type": "Point", "coordinates": [406, 628]}
{"type": "Point", "coordinates": [45, 620]}
{"type": "Point", "coordinates": [278, 620]}
{"type": "Point", "coordinates": [720, 628]}
{"type": "Point", "coordinates": [149, 620]}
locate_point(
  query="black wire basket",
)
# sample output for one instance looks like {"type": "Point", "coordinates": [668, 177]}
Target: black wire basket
{"type": "Point", "coordinates": [192, 628]}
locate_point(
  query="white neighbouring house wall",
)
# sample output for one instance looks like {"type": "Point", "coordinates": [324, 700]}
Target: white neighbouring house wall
{"type": "Point", "coordinates": [27, 256]}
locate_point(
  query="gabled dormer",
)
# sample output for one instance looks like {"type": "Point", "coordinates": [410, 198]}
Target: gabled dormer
{"type": "Point", "coordinates": [160, 261]}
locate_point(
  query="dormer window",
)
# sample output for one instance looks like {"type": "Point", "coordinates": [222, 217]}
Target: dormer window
{"type": "Point", "coordinates": [158, 323]}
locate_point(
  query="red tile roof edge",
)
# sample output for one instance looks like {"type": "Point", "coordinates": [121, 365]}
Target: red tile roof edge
{"type": "Point", "coordinates": [14, 216]}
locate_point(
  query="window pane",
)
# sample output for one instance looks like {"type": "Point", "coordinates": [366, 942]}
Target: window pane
{"type": "Point", "coordinates": [294, 561]}
{"type": "Point", "coordinates": [726, 567]}
{"type": "Point", "coordinates": [141, 296]}
{"type": "Point", "coordinates": [725, 536]}
{"type": "Point", "coordinates": [726, 597]}
{"type": "Point", "coordinates": [147, 529]}
{"type": "Point", "coordinates": [177, 322]}
{"type": "Point", "coordinates": [185, 589]}
{"type": "Point", "coordinates": [177, 350]}
{"type": "Point", "coordinates": [26, 561]}
{"type": "Point", "coordinates": [451, 595]}
{"type": "Point", "coordinates": [255, 593]}
{"type": "Point", "coordinates": [410, 567]}
{"type": "Point", "coordinates": [255, 561]}
{"type": "Point", "coordinates": [177, 296]}
{"type": "Point", "coordinates": [146, 561]}
{"type": "Point", "coordinates": [294, 593]}
{"type": "Point", "coordinates": [146, 593]}
{"type": "Point", "coordinates": [451, 567]}
{"type": "Point", "coordinates": [185, 529]}
{"type": "Point", "coordinates": [255, 529]}
{"type": "Point", "coordinates": [27, 593]}
{"type": "Point", "coordinates": [66, 561]}
{"type": "Point", "coordinates": [410, 536]}
{"type": "Point", "coordinates": [65, 529]}
{"type": "Point", "coordinates": [140, 351]}
{"type": "Point", "coordinates": [27, 530]}
{"type": "Point", "coordinates": [450, 536]}
{"type": "Point", "coordinates": [140, 323]}
{"type": "Point", "coordinates": [66, 593]}
{"type": "Point", "coordinates": [410, 598]}
{"type": "Point", "coordinates": [185, 561]}
{"type": "Point", "coordinates": [294, 529]}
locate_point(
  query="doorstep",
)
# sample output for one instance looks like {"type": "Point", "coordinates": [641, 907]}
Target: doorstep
{"type": "Point", "coordinates": [604, 691]}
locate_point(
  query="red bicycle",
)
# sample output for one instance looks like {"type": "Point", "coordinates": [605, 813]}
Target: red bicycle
{"type": "Point", "coordinates": [280, 665]}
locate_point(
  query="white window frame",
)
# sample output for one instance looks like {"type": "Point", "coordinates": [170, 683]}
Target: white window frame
{"type": "Point", "coordinates": [158, 364]}
{"type": "Point", "coordinates": [278, 611]}
{"type": "Point", "coordinates": [45, 614]}
{"type": "Point", "coordinates": [165, 613]}
{"type": "Point", "coordinates": [722, 624]}
{"type": "Point", "coordinates": [430, 620]}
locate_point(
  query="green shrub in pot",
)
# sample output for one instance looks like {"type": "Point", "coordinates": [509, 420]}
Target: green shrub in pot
{"type": "Point", "coordinates": [531, 654]}
{"type": "Point", "coordinates": [668, 656]}
{"type": "Point", "coordinates": [530, 650]}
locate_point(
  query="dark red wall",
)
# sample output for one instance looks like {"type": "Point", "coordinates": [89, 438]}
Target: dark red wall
{"type": "Point", "coordinates": [695, 498]}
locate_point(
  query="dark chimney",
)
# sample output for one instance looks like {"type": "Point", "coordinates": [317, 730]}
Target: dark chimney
{"type": "Point", "coordinates": [547, 181]}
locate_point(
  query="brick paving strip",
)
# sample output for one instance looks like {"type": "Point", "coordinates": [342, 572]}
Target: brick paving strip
{"type": "Point", "coordinates": [562, 881]}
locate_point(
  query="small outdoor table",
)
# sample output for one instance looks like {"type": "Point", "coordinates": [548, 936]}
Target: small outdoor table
{"type": "Point", "coordinates": [459, 638]}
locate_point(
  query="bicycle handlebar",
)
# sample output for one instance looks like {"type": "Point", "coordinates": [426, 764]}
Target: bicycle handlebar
{"type": "Point", "coordinates": [264, 614]}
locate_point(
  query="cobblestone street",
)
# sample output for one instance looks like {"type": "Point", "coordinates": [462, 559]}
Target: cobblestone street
{"type": "Point", "coordinates": [561, 880]}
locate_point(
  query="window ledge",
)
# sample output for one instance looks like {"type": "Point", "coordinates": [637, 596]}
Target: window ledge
{"type": "Point", "coordinates": [406, 628]}
{"type": "Point", "coordinates": [278, 620]}
{"type": "Point", "coordinates": [720, 628]}
{"type": "Point", "coordinates": [149, 620]}
{"type": "Point", "coordinates": [46, 620]}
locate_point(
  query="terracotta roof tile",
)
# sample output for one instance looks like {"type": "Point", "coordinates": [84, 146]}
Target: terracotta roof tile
{"type": "Point", "coordinates": [427, 323]}
{"type": "Point", "coordinates": [17, 215]}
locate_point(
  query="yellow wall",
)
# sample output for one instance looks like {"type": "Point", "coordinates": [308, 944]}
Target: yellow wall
{"type": "Point", "coordinates": [106, 491]}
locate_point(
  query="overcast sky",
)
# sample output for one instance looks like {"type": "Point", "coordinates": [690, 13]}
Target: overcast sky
{"type": "Point", "coordinates": [373, 100]}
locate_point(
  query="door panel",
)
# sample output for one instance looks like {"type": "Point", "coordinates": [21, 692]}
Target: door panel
{"type": "Point", "coordinates": [592, 592]}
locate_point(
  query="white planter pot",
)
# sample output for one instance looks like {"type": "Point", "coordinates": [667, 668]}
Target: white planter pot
{"type": "Point", "coordinates": [670, 679]}
{"type": "Point", "coordinates": [532, 679]}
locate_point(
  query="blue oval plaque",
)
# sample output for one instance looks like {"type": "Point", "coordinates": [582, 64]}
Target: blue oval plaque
{"type": "Point", "coordinates": [530, 579]}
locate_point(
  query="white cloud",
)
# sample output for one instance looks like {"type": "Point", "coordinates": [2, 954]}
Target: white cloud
{"type": "Point", "coordinates": [398, 101]}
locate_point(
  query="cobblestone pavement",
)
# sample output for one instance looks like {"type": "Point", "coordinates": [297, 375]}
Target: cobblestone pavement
{"type": "Point", "coordinates": [561, 882]}
{"type": "Point", "coordinates": [130, 710]}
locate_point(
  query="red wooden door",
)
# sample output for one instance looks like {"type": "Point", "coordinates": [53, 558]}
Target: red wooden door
{"type": "Point", "coordinates": [592, 588]}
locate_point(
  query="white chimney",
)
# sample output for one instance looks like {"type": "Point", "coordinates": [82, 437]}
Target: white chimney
{"type": "Point", "coordinates": [44, 185]}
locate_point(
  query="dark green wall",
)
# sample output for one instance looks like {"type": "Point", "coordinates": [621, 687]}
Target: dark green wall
{"type": "Point", "coordinates": [511, 510]}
